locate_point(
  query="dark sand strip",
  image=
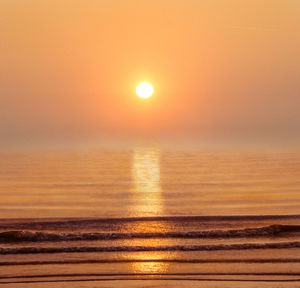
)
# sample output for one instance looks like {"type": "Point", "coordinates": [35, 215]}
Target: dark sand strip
{"type": "Point", "coordinates": [146, 274]}
{"type": "Point", "coordinates": [162, 279]}
{"type": "Point", "coordinates": [267, 260]}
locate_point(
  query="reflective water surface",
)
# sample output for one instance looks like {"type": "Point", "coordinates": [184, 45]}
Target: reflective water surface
{"type": "Point", "coordinates": [147, 200]}
{"type": "Point", "coordinates": [148, 181]}
{"type": "Point", "coordinates": [146, 194]}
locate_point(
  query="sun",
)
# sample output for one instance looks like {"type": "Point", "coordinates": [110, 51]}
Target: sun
{"type": "Point", "coordinates": [144, 90]}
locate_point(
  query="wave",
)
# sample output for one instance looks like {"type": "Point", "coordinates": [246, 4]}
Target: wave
{"type": "Point", "coordinates": [246, 246]}
{"type": "Point", "coordinates": [33, 223]}
{"type": "Point", "coordinates": [28, 236]}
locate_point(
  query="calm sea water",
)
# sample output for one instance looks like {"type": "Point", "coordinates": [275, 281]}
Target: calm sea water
{"type": "Point", "coordinates": [149, 181]}
{"type": "Point", "coordinates": [150, 217]}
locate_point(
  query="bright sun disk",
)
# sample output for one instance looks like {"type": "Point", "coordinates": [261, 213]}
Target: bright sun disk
{"type": "Point", "coordinates": [144, 90]}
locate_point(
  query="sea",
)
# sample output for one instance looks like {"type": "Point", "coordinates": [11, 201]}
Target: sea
{"type": "Point", "coordinates": [150, 216]}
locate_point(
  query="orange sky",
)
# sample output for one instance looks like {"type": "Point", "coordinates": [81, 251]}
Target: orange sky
{"type": "Point", "coordinates": [224, 68]}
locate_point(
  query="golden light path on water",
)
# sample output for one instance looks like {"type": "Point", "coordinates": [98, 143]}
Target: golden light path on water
{"type": "Point", "coordinates": [146, 192]}
{"type": "Point", "coordinates": [147, 201]}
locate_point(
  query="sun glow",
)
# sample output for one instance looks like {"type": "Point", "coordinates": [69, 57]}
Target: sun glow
{"type": "Point", "coordinates": [144, 90]}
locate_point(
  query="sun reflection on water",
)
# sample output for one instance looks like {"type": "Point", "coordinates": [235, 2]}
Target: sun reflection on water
{"type": "Point", "coordinates": [146, 193]}
{"type": "Point", "coordinates": [146, 199]}
{"type": "Point", "coordinates": [148, 263]}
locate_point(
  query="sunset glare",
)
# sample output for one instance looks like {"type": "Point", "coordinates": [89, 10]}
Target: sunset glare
{"type": "Point", "coordinates": [144, 90]}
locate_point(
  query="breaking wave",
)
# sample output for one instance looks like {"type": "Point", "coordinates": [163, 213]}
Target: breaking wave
{"type": "Point", "coordinates": [28, 236]}
{"type": "Point", "coordinates": [38, 250]}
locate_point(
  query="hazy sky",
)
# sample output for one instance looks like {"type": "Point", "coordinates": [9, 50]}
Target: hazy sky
{"type": "Point", "coordinates": [220, 68]}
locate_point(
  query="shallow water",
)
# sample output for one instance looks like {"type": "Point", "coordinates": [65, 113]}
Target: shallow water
{"type": "Point", "coordinates": [99, 218]}
{"type": "Point", "coordinates": [244, 249]}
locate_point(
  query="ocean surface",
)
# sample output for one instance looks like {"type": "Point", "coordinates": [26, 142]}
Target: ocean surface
{"type": "Point", "coordinates": [150, 217]}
